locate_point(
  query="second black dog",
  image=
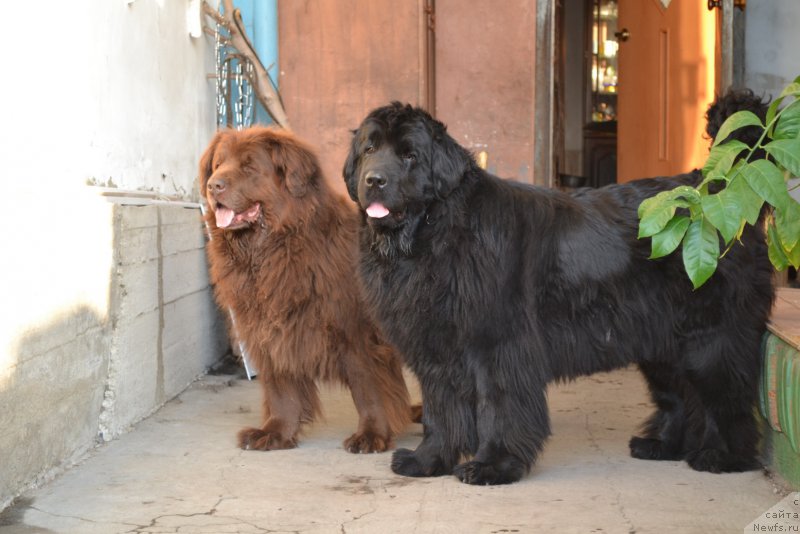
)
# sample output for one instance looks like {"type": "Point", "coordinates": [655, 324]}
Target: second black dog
{"type": "Point", "coordinates": [492, 289]}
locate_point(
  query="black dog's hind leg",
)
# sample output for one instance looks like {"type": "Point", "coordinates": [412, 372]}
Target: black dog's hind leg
{"type": "Point", "coordinates": [664, 431]}
{"type": "Point", "coordinates": [725, 382]}
{"type": "Point", "coordinates": [449, 430]}
{"type": "Point", "coordinates": [730, 435]}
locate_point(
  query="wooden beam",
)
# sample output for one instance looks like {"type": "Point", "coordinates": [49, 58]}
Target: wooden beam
{"type": "Point", "coordinates": [231, 20]}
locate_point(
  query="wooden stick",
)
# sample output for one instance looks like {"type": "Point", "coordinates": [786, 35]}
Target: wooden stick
{"type": "Point", "coordinates": [214, 14]}
{"type": "Point", "coordinates": [231, 20]}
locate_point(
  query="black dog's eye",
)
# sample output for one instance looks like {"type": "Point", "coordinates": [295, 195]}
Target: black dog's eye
{"type": "Point", "coordinates": [370, 149]}
{"type": "Point", "coordinates": [410, 156]}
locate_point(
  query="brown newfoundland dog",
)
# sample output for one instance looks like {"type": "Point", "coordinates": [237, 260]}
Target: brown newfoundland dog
{"type": "Point", "coordinates": [282, 257]}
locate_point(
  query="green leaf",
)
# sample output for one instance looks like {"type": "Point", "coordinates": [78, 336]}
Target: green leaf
{"type": "Point", "coordinates": [649, 204]}
{"type": "Point", "coordinates": [794, 256]}
{"type": "Point", "coordinates": [772, 110]}
{"type": "Point", "coordinates": [657, 211]}
{"type": "Point", "coordinates": [766, 180]}
{"type": "Point", "coordinates": [690, 194]}
{"type": "Point", "coordinates": [668, 239]}
{"type": "Point", "coordinates": [715, 176]}
{"type": "Point", "coordinates": [791, 89]}
{"type": "Point", "coordinates": [655, 218]}
{"type": "Point", "coordinates": [787, 153]}
{"type": "Point", "coordinates": [740, 119]}
{"type": "Point", "coordinates": [775, 250]}
{"type": "Point", "coordinates": [788, 126]}
{"type": "Point", "coordinates": [787, 223]}
{"type": "Point", "coordinates": [724, 212]}
{"type": "Point", "coordinates": [721, 157]}
{"type": "Point", "coordinates": [683, 191]}
{"type": "Point", "coordinates": [700, 251]}
{"type": "Point", "coordinates": [749, 201]}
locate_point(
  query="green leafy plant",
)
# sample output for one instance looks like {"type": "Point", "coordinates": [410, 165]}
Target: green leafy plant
{"type": "Point", "coordinates": [707, 221]}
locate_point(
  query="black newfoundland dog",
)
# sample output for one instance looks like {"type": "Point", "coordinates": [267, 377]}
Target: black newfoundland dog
{"type": "Point", "coordinates": [492, 289]}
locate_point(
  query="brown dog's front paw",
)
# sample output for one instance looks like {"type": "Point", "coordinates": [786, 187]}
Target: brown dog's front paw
{"type": "Point", "coordinates": [257, 439]}
{"type": "Point", "coordinates": [362, 442]}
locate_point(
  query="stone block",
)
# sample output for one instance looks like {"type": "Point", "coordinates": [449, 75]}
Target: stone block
{"type": "Point", "coordinates": [184, 273]}
{"type": "Point", "coordinates": [137, 289]}
{"type": "Point", "coordinates": [137, 245]}
{"type": "Point", "coordinates": [194, 339]}
{"type": "Point", "coordinates": [134, 375]}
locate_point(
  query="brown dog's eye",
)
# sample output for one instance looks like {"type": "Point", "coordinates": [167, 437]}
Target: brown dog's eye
{"type": "Point", "coordinates": [370, 149]}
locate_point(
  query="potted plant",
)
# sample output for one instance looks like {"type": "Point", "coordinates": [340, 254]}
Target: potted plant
{"type": "Point", "coordinates": [736, 187]}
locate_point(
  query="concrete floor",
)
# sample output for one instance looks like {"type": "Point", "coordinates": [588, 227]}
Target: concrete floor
{"type": "Point", "coordinates": [180, 471]}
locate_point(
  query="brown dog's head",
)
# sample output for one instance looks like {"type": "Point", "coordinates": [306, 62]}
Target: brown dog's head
{"type": "Point", "coordinates": [255, 176]}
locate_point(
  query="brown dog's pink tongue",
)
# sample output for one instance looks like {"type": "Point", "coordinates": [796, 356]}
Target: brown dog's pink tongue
{"type": "Point", "coordinates": [377, 210]}
{"type": "Point", "coordinates": [224, 217]}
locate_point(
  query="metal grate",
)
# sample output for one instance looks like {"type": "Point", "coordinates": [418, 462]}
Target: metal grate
{"type": "Point", "coordinates": [234, 88]}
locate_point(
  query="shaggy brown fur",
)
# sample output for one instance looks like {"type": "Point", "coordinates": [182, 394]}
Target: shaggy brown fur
{"type": "Point", "coordinates": [282, 257]}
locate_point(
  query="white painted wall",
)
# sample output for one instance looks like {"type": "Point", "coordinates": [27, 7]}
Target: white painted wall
{"type": "Point", "coordinates": [772, 42]}
{"type": "Point", "coordinates": [110, 92]}
{"type": "Point", "coordinates": [772, 45]}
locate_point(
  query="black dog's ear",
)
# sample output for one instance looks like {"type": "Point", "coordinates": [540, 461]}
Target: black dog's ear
{"type": "Point", "coordinates": [349, 170]}
{"type": "Point", "coordinates": [207, 161]}
{"type": "Point", "coordinates": [449, 162]}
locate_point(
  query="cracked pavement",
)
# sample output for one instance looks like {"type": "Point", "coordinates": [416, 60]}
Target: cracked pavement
{"type": "Point", "coordinates": [179, 471]}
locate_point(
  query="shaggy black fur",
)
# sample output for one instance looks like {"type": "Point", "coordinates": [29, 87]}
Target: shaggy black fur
{"type": "Point", "coordinates": [492, 289]}
{"type": "Point", "coordinates": [732, 101]}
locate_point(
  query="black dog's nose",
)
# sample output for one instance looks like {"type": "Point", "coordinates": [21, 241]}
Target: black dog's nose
{"type": "Point", "coordinates": [216, 185]}
{"type": "Point", "coordinates": [373, 178]}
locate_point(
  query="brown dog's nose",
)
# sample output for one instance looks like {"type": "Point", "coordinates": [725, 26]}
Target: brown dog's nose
{"type": "Point", "coordinates": [375, 179]}
{"type": "Point", "coordinates": [216, 185]}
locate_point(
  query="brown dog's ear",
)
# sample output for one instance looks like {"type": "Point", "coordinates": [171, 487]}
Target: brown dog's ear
{"type": "Point", "coordinates": [295, 163]}
{"type": "Point", "coordinates": [206, 161]}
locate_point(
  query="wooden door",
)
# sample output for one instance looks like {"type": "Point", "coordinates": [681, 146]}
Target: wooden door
{"type": "Point", "coordinates": [485, 80]}
{"type": "Point", "coordinates": [339, 60]}
{"type": "Point", "coordinates": [666, 82]}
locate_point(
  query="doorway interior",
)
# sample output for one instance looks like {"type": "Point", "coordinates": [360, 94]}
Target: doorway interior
{"type": "Point", "coordinates": [632, 80]}
{"type": "Point", "coordinates": [586, 97]}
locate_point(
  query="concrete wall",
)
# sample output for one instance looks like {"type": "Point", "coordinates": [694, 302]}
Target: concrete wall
{"type": "Point", "coordinates": [106, 309]}
{"type": "Point", "coordinates": [771, 45]}
{"type": "Point", "coordinates": [166, 327]}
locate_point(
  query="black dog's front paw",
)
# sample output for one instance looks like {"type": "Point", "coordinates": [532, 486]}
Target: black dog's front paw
{"type": "Point", "coordinates": [652, 449]}
{"type": "Point", "coordinates": [482, 474]}
{"type": "Point", "coordinates": [716, 461]}
{"type": "Point", "coordinates": [407, 463]}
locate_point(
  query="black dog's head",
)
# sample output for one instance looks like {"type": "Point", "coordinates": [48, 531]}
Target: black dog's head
{"type": "Point", "coordinates": [732, 101]}
{"type": "Point", "coordinates": [401, 161]}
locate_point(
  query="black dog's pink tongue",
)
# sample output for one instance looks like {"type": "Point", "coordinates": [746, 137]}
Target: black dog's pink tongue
{"type": "Point", "coordinates": [224, 217]}
{"type": "Point", "coordinates": [376, 210]}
